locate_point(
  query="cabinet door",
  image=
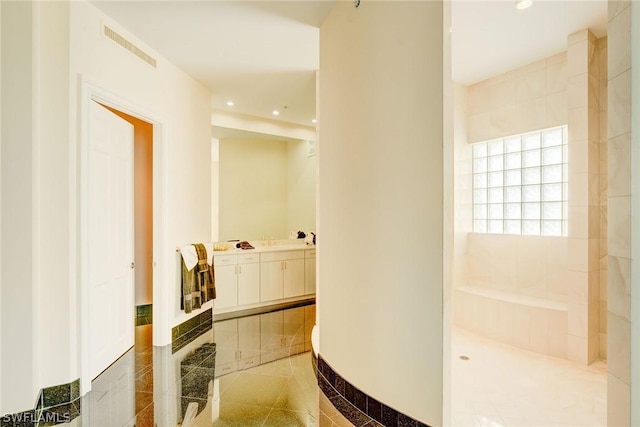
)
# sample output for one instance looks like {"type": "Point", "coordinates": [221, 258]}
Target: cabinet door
{"type": "Point", "coordinates": [271, 280]}
{"type": "Point", "coordinates": [226, 286]}
{"type": "Point", "coordinates": [293, 278]}
{"type": "Point", "coordinates": [225, 335]}
{"type": "Point", "coordinates": [310, 276]}
{"type": "Point", "coordinates": [248, 284]}
{"type": "Point", "coordinates": [248, 342]}
{"type": "Point", "coordinates": [271, 338]}
{"type": "Point", "coordinates": [293, 330]}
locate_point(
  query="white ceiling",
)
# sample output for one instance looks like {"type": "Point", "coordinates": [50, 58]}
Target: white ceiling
{"type": "Point", "coordinates": [263, 54]}
{"type": "Point", "coordinates": [491, 37]}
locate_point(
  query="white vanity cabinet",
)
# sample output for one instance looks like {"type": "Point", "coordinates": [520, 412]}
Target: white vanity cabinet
{"type": "Point", "coordinates": [309, 271]}
{"type": "Point", "coordinates": [237, 280]}
{"type": "Point", "coordinates": [253, 278]}
{"type": "Point", "coordinates": [281, 275]}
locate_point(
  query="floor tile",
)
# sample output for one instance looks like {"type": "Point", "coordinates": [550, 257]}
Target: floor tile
{"type": "Point", "coordinates": [496, 386]}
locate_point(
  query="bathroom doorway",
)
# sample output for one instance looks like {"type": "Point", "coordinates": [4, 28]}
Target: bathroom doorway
{"type": "Point", "coordinates": [145, 260]}
{"type": "Point", "coordinates": [143, 215]}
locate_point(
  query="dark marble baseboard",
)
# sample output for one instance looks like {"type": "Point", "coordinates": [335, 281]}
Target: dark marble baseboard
{"type": "Point", "coordinates": [144, 314]}
{"type": "Point", "coordinates": [55, 405]}
{"type": "Point", "coordinates": [359, 408]}
{"type": "Point", "coordinates": [186, 331]}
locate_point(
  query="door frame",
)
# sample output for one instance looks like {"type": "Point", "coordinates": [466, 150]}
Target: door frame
{"type": "Point", "coordinates": [161, 330]}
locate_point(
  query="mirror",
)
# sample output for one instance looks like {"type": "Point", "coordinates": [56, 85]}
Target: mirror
{"type": "Point", "coordinates": [266, 186]}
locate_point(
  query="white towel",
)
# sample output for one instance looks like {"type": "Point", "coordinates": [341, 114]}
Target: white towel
{"type": "Point", "coordinates": [190, 256]}
{"type": "Point", "coordinates": [209, 248]}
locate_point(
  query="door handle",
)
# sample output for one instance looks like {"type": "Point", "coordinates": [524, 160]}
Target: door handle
{"type": "Point", "coordinates": [133, 265]}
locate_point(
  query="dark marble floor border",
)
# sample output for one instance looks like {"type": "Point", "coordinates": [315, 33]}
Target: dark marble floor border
{"type": "Point", "coordinates": [57, 404]}
{"type": "Point", "coordinates": [358, 407]}
{"type": "Point", "coordinates": [186, 331]}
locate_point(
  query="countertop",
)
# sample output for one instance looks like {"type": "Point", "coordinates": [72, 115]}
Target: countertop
{"type": "Point", "coordinates": [262, 247]}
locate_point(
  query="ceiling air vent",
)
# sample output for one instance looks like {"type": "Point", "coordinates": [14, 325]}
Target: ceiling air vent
{"type": "Point", "coordinates": [129, 46]}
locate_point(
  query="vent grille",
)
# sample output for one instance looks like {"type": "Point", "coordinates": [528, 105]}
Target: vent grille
{"type": "Point", "coordinates": [130, 46]}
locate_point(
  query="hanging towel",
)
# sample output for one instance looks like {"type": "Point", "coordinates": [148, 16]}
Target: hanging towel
{"type": "Point", "coordinates": [205, 272]}
{"type": "Point", "coordinates": [198, 280]}
{"type": "Point", "coordinates": [189, 256]}
{"type": "Point", "coordinates": [209, 247]}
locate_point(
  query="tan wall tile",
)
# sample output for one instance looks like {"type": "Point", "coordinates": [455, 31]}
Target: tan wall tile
{"type": "Point", "coordinates": [619, 105]}
{"type": "Point", "coordinates": [619, 287]}
{"type": "Point", "coordinates": [619, 50]}
{"type": "Point", "coordinates": [619, 165]}
{"type": "Point", "coordinates": [619, 226]}
{"type": "Point", "coordinates": [619, 348]}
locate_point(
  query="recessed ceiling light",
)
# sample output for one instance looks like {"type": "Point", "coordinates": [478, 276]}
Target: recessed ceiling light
{"type": "Point", "coordinates": [523, 4]}
{"type": "Point", "coordinates": [314, 121]}
{"type": "Point", "coordinates": [275, 112]}
{"type": "Point", "coordinates": [230, 103]}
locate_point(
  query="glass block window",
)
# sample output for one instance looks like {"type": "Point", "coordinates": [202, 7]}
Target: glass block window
{"type": "Point", "coordinates": [520, 184]}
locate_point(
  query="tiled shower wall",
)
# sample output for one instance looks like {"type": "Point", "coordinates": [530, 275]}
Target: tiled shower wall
{"type": "Point", "coordinates": [619, 214]}
{"type": "Point", "coordinates": [525, 99]}
{"type": "Point", "coordinates": [583, 297]}
{"type": "Point", "coordinates": [604, 183]}
{"type": "Point", "coordinates": [563, 89]}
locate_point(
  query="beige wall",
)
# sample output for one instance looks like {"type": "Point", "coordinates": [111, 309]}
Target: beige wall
{"type": "Point", "coordinates": [70, 54]}
{"type": "Point", "coordinates": [182, 160]}
{"type": "Point", "coordinates": [380, 171]}
{"type": "Point", "coordinates": [20, 313]}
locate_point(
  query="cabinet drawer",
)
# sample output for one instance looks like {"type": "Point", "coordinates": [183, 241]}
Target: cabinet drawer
{"type": "Point", "coordinates": [225, 259]}
{"type": "Point", "coordinates": [310, 253]}
{"type": "Point", "coordinates": [281, 255]}
{"type": "Point", "coordinates": [248, 258]}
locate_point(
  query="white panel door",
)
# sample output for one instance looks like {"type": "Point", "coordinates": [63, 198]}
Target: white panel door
{"type": "Point", "coordinates": [110, 237]}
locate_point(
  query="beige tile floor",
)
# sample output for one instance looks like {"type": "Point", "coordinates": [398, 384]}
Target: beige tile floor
{"type": "Point", "coordinates": [504, 386]}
